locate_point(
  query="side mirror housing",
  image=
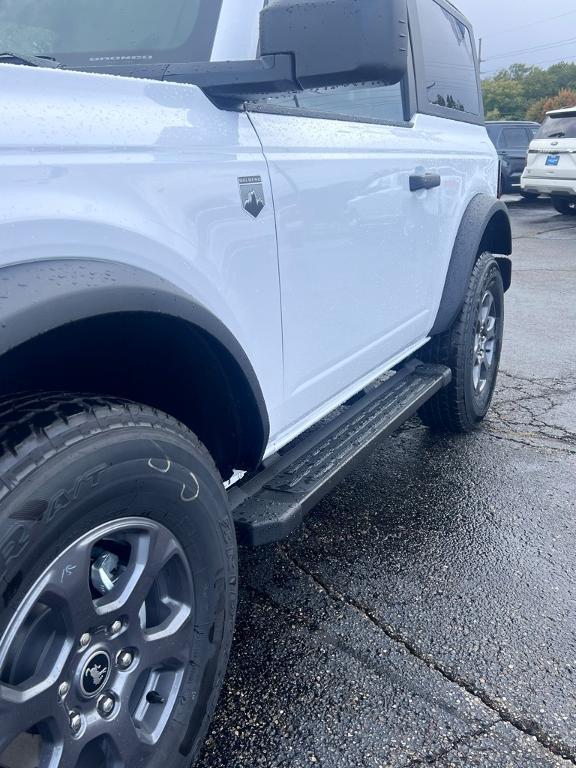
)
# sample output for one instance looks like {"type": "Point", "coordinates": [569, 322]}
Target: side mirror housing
{"type": "Point", "coordinates": [338, 42]}
{"type": "Point", "coordinates": [310, 44]}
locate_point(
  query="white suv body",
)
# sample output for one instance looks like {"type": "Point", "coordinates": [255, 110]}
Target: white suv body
{"type": "Point", "coordinates": [215, 240]}
{"type": "Point", "coordinates": [128, 171]}
{"type": "Point", "coordinates": [551, 168]}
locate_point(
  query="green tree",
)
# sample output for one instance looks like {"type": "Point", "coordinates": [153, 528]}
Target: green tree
{"type": "Point", "coordinates": [504, 99]}
{"type": "Point", "coordinates": [523, 92]}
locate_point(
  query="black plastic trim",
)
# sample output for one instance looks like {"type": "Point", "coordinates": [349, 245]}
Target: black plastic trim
{"type": "Point", "coordinates": [311, 114]}
{"type": "Point", "coordinates": [234, 82]}
{"type": "Point", "coordinates": [409, 105]}
{"type": "Point", "coordinates": [425, 181]}
{"type": "Point", "coordinates": [41, 296]}
{"type": "Point", "coordinates": [337, 42]}
{"type": "Point", "coordinates": [270, 505]}
{"type": "Point", "coordinates": [481, 213]}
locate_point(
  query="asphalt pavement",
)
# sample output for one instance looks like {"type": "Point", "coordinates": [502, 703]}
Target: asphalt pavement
{"type": "Point", "coordinates": [425, 615]}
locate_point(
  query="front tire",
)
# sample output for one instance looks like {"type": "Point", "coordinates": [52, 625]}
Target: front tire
{"type": "Point", "coordinates": [565, 205]}
{"type": "Point", "coordinates": [472, 349]}
{"type": "Point", "coordinates": [118, 579]}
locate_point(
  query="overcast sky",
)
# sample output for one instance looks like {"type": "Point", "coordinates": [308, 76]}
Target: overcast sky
{"type": "Point", "coordinates": [507, 26]}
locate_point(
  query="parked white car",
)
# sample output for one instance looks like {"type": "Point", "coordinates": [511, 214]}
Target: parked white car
{"type": "Point", "coordinates": [551, 168]}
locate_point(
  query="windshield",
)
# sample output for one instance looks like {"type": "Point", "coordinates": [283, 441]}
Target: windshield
{"type": "Point", "coordinates": [558, 128]}
{"type": "Point", "coordinates": [111, 32]}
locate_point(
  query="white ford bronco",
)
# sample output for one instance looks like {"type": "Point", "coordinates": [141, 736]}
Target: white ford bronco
{"type": "Point", "coordinates": [238, 245]}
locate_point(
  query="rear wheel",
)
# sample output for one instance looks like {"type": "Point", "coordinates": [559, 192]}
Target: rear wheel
{"type": "Point", "coordinates": [565, 205]}
{"type": "Point", "coordinates": [118, 585]}
{"type": "Point", "coordinates": [471, 348]}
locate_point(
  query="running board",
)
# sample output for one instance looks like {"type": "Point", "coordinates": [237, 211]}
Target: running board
{"type": "Point", "coordinates": [269, 506]}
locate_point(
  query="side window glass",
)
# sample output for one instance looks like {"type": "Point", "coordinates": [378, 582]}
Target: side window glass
{"type": "Point", "coordinates": [514, 138]}
{"type": "Point", "coordinates": [384, 103]}
{"type": "Point", "coordinates": [376, 103]}
{"type": "Point", "coordinates": [451, 79]}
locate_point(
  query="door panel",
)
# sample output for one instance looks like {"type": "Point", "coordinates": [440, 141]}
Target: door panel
{"type": "Point", "coordinates": [361, 257]}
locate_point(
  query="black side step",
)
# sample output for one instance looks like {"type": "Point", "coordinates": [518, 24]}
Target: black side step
{"type": "Point", "coordinates": [269, 506]}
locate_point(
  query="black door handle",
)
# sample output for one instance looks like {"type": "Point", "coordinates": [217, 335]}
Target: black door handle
{"type": "Point", "coordinates": [425, 181]}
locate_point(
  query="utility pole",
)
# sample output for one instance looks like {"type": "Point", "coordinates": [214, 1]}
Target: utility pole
{"type": "Point", "coordinates": [480, 54]}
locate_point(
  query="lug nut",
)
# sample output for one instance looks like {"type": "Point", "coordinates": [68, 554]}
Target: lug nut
{"type": "Point", "coordinates": [75, 722]}
{"type": "Point", "coordinates": [63, 690]}
{"type": "Point", "coordinates": [125, 659]}
{"type": "Point", "coordinates": [115, 627]}
{"type": "Point", "coordinates": [106, 705]}
{"type": "Point", "coordinates": [85, 640]}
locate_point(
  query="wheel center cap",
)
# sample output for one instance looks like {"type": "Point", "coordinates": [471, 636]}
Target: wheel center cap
{"type": "Point", "coordinates": [95, 673]}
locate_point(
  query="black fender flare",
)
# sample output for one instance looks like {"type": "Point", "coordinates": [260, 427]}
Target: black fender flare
{"type": "Point", "coordinates": [41, 296]}
{"type": "Point", "coordinates": [484, 226]}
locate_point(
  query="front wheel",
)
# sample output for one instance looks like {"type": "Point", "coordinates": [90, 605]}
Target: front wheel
{"type": "Point", "coordinates": [471, 348]}
{"type": "Point", "coordinates": [118, 576]}
{"type": "Point", "coordinates": [565, 205]}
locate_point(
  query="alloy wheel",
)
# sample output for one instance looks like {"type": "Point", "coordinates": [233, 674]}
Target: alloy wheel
{"type": "Point", "coordinates": [485, 343]}
{"type": "Point", "coordinates": [92, 662]}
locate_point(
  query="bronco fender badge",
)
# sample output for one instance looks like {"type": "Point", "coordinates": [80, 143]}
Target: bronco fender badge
{"type": "Point", "coordinates": [252, 195]}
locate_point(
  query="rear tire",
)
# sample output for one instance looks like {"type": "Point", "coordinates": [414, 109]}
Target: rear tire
{"type": "Point", "coordinates": [565, 205]}
{"type": "Point", "coordinates": [471, 348]}
{"type": "Point", "coordinates": [118, 585]}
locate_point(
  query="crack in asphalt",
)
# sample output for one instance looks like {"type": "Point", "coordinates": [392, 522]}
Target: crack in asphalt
{"type": "Point", "coordinates": [366, 661]}
{"type": "Point", "coordinates": [523, 406]}
{"type": "Point", "coordinates": [510, 438]}
{"type": "Point", "coordinates": [524, 725]}
{"type": "Point", "coordinates": [467, 738]}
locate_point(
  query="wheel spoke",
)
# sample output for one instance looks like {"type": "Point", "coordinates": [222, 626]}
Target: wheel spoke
{"type": "Point", "coordinates": [490, 328]}
{"type": "Point", "coordinates": [171, 643]}
{"type": "Point", "coordinates": [131, 746]}
{"type": "Point", "coordinates": [490, 354]}
{"type": "Point", "coordinates": [70, 750]}
{"type": "Point", "coordinates": [68, 582]}
{"type": "Point", "coordinates": [476, 374]}
{"type": "Point", "coordinates": [150, 553]}
{"type": "Point", "coordinates": [20, 710]}
{"type": "Point", "coordinates": [486, 308]}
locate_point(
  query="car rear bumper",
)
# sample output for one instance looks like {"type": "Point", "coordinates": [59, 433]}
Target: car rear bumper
{"type": "Point", "coordinates": [562, 187]}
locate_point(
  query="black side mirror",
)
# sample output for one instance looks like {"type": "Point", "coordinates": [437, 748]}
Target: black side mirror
{"type": "Point", "coordinates": [310, 44]}
{"type": "Point", "coordinates": [338, 42]}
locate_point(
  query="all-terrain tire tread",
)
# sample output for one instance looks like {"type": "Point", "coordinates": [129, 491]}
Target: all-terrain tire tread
{"type": "Point", "coordinates": [36, 425]}
{"type": "Point", "coordinates": [446, 411]}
